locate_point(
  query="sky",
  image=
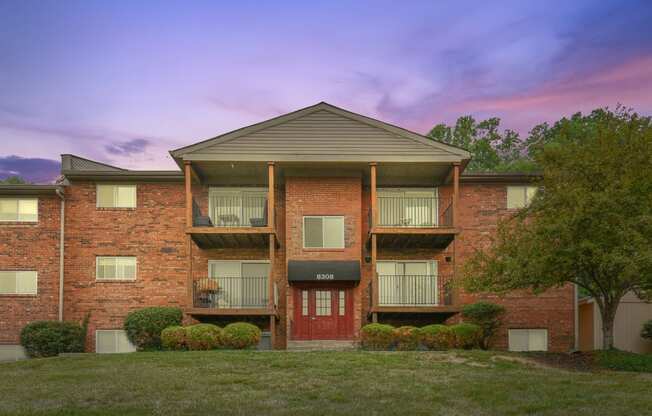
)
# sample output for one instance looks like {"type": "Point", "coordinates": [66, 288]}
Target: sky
{"type": "Point", "coordinates": [125, 82]}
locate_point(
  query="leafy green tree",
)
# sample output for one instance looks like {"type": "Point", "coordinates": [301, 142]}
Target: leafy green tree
{"type": "Point", "coordinates": [492, 149]}
{"type": "Point", "coordinates": [592, 223]}
{"type": "Point", "coordinates": [13, 180]}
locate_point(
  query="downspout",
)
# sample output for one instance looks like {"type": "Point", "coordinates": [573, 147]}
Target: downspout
{"type": "Point", "coordinates": [61, 250]}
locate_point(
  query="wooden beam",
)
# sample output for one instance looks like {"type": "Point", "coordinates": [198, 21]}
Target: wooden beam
{"type": "Point", "coordinates": [374, 197]}
{"type": "Point", "coordinates": [231, 312]}
{"type": "Point", "coordinates": [270, 283]}
{"type": "Point", "coordinates": [272, 330]}
{"type": "Point", "coordinates": [229, 230]}
{"type": "Point", "coordinates": [271, 214]}
{"type": "Point", "coordinates": [417, 309]}
{"type": "Point", "coordinates": [188, 180]}
{"type": "Point", "coordinates": [456, 193]}
{"type": "Point", "coordinates": [414, 230]}
{"type": "Point", "coordinates": [189, 277]}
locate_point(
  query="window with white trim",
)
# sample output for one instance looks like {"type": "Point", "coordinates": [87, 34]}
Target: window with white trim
{"type": "Point", "coordinates": [520, 196]}
{"type": "Point", "coordinates": [112, 341]}
{"type": "Point", "coordinates": [19, 209]}
{"type": "Point", "coordinates": [115, 268]}
{"type": "Point", "coordinates": [528, 339]}
{"type": "Point", "coordinates": [18, 282]}
{"type": "Point", "coordinates": [323, 232]}
{"type": "Point", "coordinates": [116, 196]}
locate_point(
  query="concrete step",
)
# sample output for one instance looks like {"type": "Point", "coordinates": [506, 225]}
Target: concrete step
{"type": "Point", "coordinates": [322, 345]}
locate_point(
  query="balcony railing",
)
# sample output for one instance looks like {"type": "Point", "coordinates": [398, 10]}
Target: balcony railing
{"type": "Point", "coordinates": [231, 292]}
{"type": "Point", "coordinates": [238, 211]}
{"type": "Point", "coordinates": [414, 212]}
{"type": "Point", "coordinates": [414, 290]}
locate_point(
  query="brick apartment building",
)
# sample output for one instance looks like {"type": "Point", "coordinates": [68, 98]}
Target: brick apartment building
{"type": "Point", "coordinates": [309, 225]}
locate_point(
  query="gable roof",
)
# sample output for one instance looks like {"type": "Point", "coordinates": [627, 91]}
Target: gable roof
{"type": "Point", "coordinates": [322, 132]}
{"type": "Point", "coordinates": [75, 167]}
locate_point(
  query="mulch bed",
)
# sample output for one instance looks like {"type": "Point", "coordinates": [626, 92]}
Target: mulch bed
{"type": "Point", "coordinates": [576, 361]}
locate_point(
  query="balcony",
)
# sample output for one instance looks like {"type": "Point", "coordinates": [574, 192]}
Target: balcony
{"type": "Point", "coordinates": [234, 296]}
{"type": "Point", "coordinates": [233, 221]}
{"type": "Point", "coordinates": [415, 212]}
{"type": "Point", "coordinates": [414, 294]}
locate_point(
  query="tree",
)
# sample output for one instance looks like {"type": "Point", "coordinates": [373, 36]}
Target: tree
{"type": "Point", "coordinates": [13, 180]}
{"type": "Point", "coordinates": [492, 150]}
{"type": "Point", "coordinates": [487, 316]}
{"type": "Point", "coordinates": [591, 224]}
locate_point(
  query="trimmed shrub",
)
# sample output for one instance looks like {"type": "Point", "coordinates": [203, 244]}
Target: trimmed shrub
{"type": "Point", "coordinates": [50, 338]}
{"type": "Point", "coordinates": [407, 338]}
{"type": "Point", "coordinates": [466, 336]}
{"type": "Point", "coordinates": [377, 336]}
{"type": "Point", "coordinates": [437, 337]}
{"type": "Point", "coordinates": [202, 337]}
{"type": "Point", "coordinates": [144, 326]}
{"type": "Point", "coordinates": [174, 338]}
{"type": "Point", "coordinates": [487, 316]}
{"type": "Point", "coordinates": [241, 335]}
{"type": "Point", "coordinates": [646, 332]}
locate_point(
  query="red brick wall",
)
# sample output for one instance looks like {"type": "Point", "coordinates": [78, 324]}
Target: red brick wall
{"type": "Point", "coordinates": [481, 206]}
{"type": "Point", "coordinates": [325, 196]}
{"type": "Point", "coordinates": [153, 232]}
{"type": "Point", "coordinates": [25, 246]}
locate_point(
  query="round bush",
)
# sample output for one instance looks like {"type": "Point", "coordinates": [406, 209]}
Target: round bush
{"type": "Point", "coordinates": [407, 338]}
{"type": "Point", "coordinates": [646, 332]}
{"type": "Point", "coordinates": [50, 338]}
{"type": "Point", "coordinates": [487, 316]}
{"type": "Point", "coordinates": [144, 326]}
{"type": "Point", "coordinates": [174, 338]}
{"type": "Point", "coordinates": [241, 335]}
{"type": "Point", "coordinates": [377, 336]}
{"type": "Point", "coordinates": [466, 336]}
{"type": "Point", "coordinates": [437, 337]}
{"type": "Point", "coordinates": [202, 337]}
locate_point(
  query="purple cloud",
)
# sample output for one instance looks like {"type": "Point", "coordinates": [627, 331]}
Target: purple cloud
{"type": "Point", "coordinates": [128, 147]}
{"type": "Point", "coordinates": [33, 170]}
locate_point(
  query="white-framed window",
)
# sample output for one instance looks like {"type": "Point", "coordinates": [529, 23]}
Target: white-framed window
{"type": "Point", "coordinates": [304, 303]}
{"type": "Point", "coordinates": [115, 268]}
{"type": "Point", "coordinates": [323, 302]}
{"type": "Point", "coordinates": [528, 339]}
{"type": "Point", "coordinates": [112, 341]}
{"type": "Point", "coordinates": [342, 303]}
{"type": "Point", "coordinates": [237, 207]}
{"type": "Point", "coordinates": [116, 196]}
{"type": "Point", "coordinates": [18, 282]}
{"type": "Point", "coordinates": [19, 209]}
{"type": "Point", "coordinates": [240, 283]}
{"type": "Point", "coordinates": [520, 196]}
{"type": "Point", "coordinates": [323, 232]}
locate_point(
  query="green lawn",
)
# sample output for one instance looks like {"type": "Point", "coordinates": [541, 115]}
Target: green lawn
{"type": "Point", "coordinates": [320, 383]}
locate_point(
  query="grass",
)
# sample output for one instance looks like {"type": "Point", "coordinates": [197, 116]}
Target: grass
{"type": "Point", "coordinates": [624, 361]}
{"type": "Point", "coordinates": [312, 383]}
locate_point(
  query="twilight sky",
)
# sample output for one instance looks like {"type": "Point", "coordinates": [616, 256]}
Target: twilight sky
{"type": "Point", "coordinates": [124, 82]}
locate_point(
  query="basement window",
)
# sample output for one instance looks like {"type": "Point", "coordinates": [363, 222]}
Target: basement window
{"type": "Point", "coordinates": [115, 268]}
{"type": "Point", "coordinates": [112, 341]}
{"type": "Point", "coordinates": [323, 232]}
{"type": "Point", "coordinates": [528, 339]}
{"type": "Point", "coordinates": [116, 196]}
{"type": "Point", "coordinates": [18, 282]}
{"type": "Point", "coordinates": [19, 209]}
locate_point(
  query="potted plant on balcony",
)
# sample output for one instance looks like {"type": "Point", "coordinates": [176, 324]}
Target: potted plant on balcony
{"type": "Point", "coordinates": [206, 289]}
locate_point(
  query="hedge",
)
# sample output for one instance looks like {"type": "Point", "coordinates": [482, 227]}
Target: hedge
{"type": "Point", "coordinates": [201, 337]}
{"type": "Point", "coordinates": [50, 338]}
{"type": "Point", "coordinates": [174, 338]}
{"type": "Point", "coordinates": [241, 335]}
{"type": "Point", "coordinates": [144, 326]}
{"type": "Point", "coordinates": [646, 332]}
{"type": "Point", "coordinates": [407, 338]}
{"type": "Point", "coordinates": [377, 336]}
{"type": "Point", "coordinates": [466, 336]}
{"type": "Point", "coordinates": [437, 337]}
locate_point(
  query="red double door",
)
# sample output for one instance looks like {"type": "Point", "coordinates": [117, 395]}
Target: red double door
{"type": "Point", "coordinates": [322, 313]}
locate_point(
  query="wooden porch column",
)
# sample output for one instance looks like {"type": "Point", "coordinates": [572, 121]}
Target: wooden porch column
{"type": "Point", "coordinates": [187, 172]}
{"type": "Point", "coordinates": [374, 199]}
{"type": "Point", "coordinates": [270, 288]}
{"type": "Point", "coordinates": [456, 193]}
{"type": "Point", "coordinates": [271, 215]}
{"type": "Point", "coordinates": [374, 277]}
